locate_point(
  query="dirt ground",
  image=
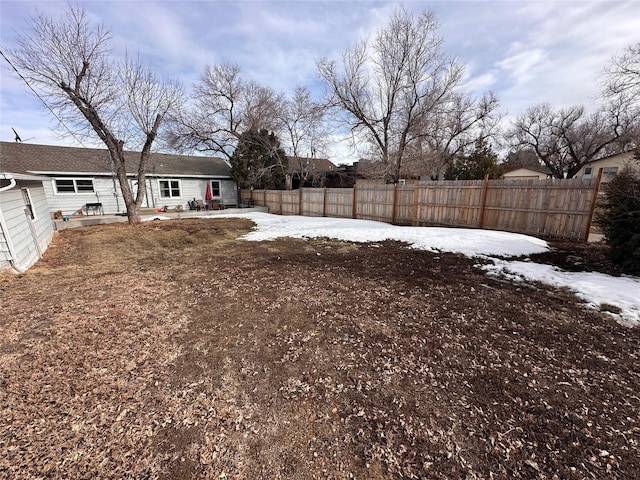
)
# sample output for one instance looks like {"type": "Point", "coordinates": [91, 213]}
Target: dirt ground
{"type": "Point", "coordinates": [172, 350]}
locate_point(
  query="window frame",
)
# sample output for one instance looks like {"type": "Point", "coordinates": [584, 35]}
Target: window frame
{"type": "Point", "coordinates": [74, 183]}
{"type": "Point", "coordinates": [169, 188]}
{"type": "Point", "coordinates": [28, 202]}
{"type": "Point", "coordinates": [214, 188]}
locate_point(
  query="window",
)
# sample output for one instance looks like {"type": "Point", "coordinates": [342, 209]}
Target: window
{"type": "Point", "coordinates": [609, 170]}
{"type": "Point", "coordinates": [74, 185]}
{"type": "Point", "coordinates": [169, 188]}
{"type": "Point", "coordinates": [588, 171]}
{"type": "Point", "coordinates": [215, 188]}
{"type": "Point", "coordinates": [26, 196]}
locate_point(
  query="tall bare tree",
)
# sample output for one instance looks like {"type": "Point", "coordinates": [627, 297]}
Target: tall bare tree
{"type": "Point", "coordinates": [303, 125]}
{"type": "Point", "coordinates": [566, 139]}
{"type": "Point", "coordinates": [303, 130]}
{"type": "Point", "coordinates": [70, 62]}
{"type": "Point", "coordinates": [397, 88]}
{"type": "Point", "coordinates": [225, 106]}
{"type": "Point", "coordinates": [452, 132]}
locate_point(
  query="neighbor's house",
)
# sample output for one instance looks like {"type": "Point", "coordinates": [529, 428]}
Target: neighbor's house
{"type": "Point", "coordinates": [309, 172]}
{"type": "Point", "coordinates": [26, 228]}
{"type": "Point", "coordinates": [77, 177]}
{"type": "Point", "coordinates": [610, 165]}
{"type": "Point", "coordinates": [526, 173]}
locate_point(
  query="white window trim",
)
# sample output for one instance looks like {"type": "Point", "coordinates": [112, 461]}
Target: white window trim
{"type": "Point", "coordinates": [169, 180]}
{"type": "Point", "coordinates": [75, 186]}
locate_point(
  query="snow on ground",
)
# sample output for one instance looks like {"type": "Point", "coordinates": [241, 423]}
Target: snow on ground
{"type": "Point", "coordinates": [594, 288]}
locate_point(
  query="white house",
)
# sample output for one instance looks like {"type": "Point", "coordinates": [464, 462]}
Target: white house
{"type": "Point", "coordinates": [610, 165]}
{"type": "Point", "coordinates": [26, 228]}
{"type": "Point", "coordinates": [526, 173]}
{"type": "Point", "coordinates": [80, 179]}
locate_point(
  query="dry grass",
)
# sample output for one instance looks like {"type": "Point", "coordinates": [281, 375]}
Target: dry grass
{"type": "Point", "coordinates": [172, 350]}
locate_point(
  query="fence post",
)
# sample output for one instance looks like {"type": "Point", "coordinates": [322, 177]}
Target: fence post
{"type": "Point", "coordinates": [264, 197]}
{"type": "Point", "coordinates": [324, 201]}
{"type": "Point", "coordinates": [483, 200]}
{"type": "Point", "coordinates": [280, 202]}
{"type": "Point", "coordinates": [594, 200]}
{"type": "Point", "coordinates": [354, 210]}
{"type": "Point", "coordinates": [300, 201]}
{"type": "Point", "coordinates": [395, 200]}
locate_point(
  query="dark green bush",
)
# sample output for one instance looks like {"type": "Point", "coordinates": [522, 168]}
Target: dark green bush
{"type": "Point", "coordinates": [619, 218]}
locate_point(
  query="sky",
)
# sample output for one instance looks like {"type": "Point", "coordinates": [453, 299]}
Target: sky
{"type": "Point", "coordinates": [500, 248]}
{"type": "Point", "coordinates": [526, 52]}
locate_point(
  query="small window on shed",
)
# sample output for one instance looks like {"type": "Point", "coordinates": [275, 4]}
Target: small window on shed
{"type": "Point", "coordinates": [29, 210]}
{"type": "Point", "coordinates": [609, 170]}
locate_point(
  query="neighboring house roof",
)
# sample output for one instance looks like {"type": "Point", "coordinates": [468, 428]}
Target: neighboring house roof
{"type": "Point", "coordinates": [615, 158]}
{"type": "Point", "coordinates": [311, 165]}
{"type": "Point", "coordinates": [543, 170]}
{"type": "Point", "coordinates": [27, 158]}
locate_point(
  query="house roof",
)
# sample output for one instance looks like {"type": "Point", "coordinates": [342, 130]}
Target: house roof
{"type": "Point", "coordinates": [624, 156]}
{"type": "Point", "coordinates": [312, 165]}
{"type": "Point", "coordinates": [541, 169]}
{"type": "Point", "coordinates": [29, 158]}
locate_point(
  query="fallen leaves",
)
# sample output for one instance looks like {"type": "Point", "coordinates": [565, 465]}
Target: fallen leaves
{"type": "Point", "coordinates": [132, 353]}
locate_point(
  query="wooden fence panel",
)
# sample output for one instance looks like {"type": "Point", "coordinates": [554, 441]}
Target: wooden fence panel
{"type": "Point", "coordinates": [273, 200]}
{"type": "Point", "coordinates": [375, 202]}
{"type": "Point", "coordinates": [258, 197]}
{"type": "Point", "coordinates": [405, 205]}
{"type": "Point", "coordinates": [312, 202]}
{"type": "Point", "coordinates": [338, 202]}
{"type": "Point", "coordinates": [290, 202]}
{"type": "Point", "coordinates": [453, 203]}
{"type": "Point", "coordinates": [555, 208]}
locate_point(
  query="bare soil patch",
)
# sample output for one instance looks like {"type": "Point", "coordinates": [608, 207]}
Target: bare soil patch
{"type": "Point", "coordinates": [173, 350]}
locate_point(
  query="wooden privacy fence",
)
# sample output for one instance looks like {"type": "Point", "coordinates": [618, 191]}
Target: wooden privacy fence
{"type": "Point", "coordinates": [549, 208]}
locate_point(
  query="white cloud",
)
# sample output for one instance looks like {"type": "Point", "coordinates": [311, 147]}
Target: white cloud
{"type": "Point", "coordinates": [526, 52]}
{"type": "Point", "coordinates": [522, 65]}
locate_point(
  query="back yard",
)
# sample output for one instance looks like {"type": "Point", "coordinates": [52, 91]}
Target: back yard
{"type": "Point", "coordinates": [173, 350]}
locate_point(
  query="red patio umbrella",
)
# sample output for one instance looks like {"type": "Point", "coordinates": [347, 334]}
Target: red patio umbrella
{"type": "Point", "coordinates": [208, 195]}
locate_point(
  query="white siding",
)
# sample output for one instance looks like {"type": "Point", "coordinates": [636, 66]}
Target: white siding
{"type": "Point", "coordinates": [112, 201]}
{"type": "Point", "coordinates": [72, 202]}
{"type": "Point", "coordinates": [28, 237]}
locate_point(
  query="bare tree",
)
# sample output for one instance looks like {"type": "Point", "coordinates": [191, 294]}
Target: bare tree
{"type": "Point", "coordinates": [453, 131]}
{"type": "Point", "coordinates": [621, 90]}
{"type": "Point", "coordinates": [566, 139]}
{"type": "Point", "coordinates": [303, 130]}
{"type": "Point", "coordinates": [396, 89]}
{"type": "Point", "coordinates": [622, 74]}
{"type": "Point", "coordinates": [303, 124]}
{"type": "Point", "coordinates": [224, 107]}
{"type": "Point", "coordinates": [70, 62]}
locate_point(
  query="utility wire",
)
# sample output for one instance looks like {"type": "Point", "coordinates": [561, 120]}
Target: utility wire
{"type": "Point", "coordinates": [60, 121]}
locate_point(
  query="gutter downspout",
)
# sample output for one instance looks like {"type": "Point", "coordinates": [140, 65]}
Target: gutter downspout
{"type": "Point", "coordinates": [5, 231]}
{"type": "Point", "coordinates": [12, 183]}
